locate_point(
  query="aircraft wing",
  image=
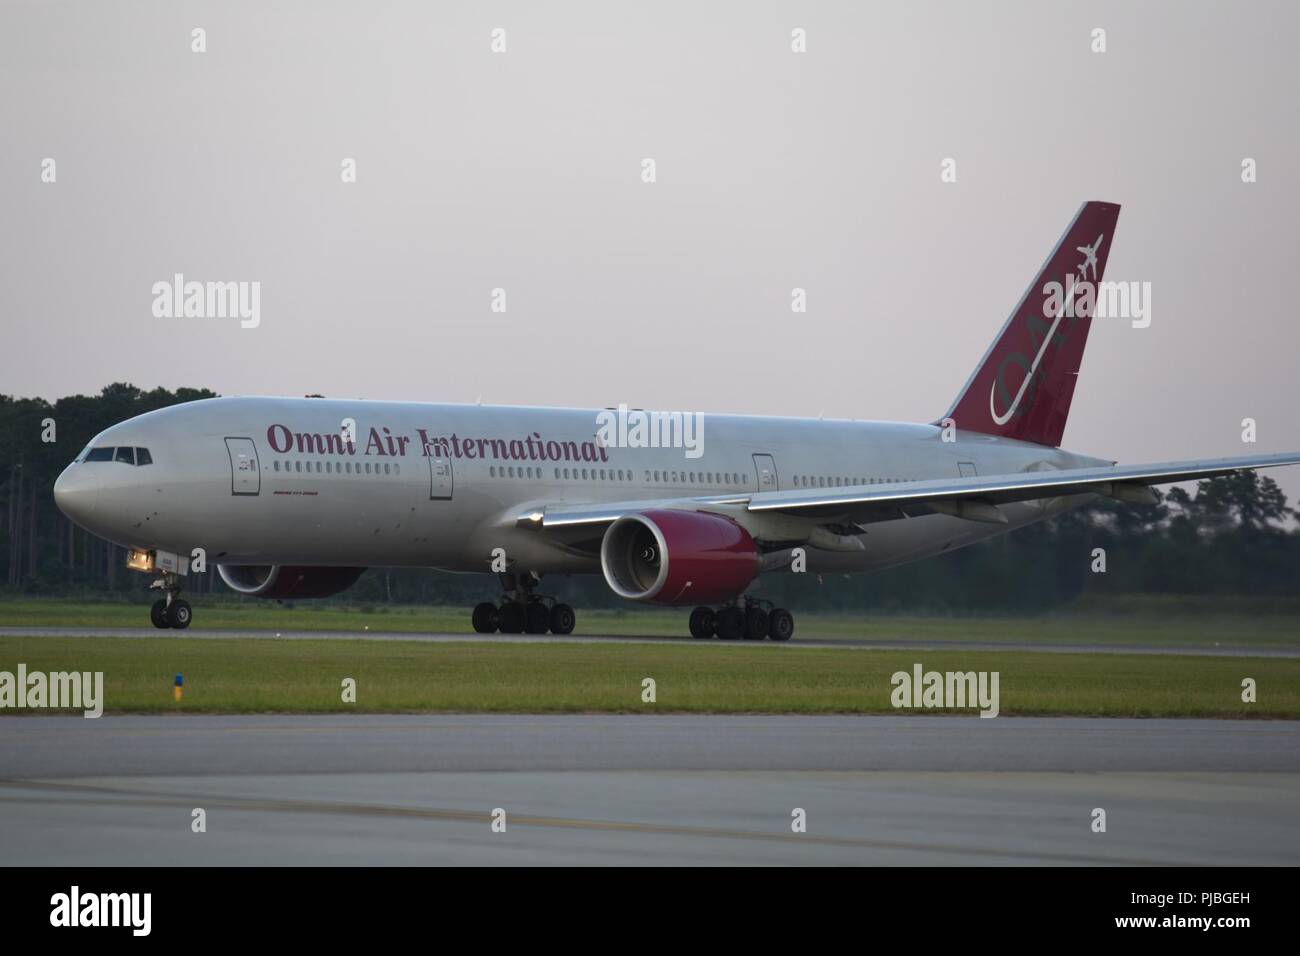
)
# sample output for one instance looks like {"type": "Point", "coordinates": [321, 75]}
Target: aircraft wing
{"type": "Point", "coordinates": [975, 498]}
{"type": "Point", "coordinates": [576, 516]}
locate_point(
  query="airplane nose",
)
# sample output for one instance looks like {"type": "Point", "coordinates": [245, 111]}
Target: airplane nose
{"type": "Point", "coordinates": [76, 492]}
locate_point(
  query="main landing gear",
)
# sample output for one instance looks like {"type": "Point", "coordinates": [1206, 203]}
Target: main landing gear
{"type": "Point", "coordinates": [170, 610]}
{"type": "Point", "coordinates": [523, 612]}
{"type": "Point", "coordinates": [753, 622]}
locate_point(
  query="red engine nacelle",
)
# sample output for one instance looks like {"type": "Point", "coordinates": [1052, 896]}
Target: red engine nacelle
{"type": "Point", "coordinates": [281, 581]}
{"type": "Point", "coordinates": [678, 557]}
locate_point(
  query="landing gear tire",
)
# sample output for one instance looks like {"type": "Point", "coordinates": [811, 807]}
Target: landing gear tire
{"type": "Point", "coordinates": [537, 619]}
{"type": "Point", "coordinates": [703, 623]}
{"type": "Point", "coordinates": [179, 614]}
{"type": "Point", "coordinates": [756, 624]}
{"type": "Point", "coordinates": [562, 619]}
{"type": "Point", "coordinates": [158, 614]}
{"type": "Point", "coordinates": [731, 623]}
{"type": "Point", "coordinates": [513, 618]}
{"type": "Point", "coordinates": [486, 618]}
{"type": "Point", "coordinates": [780, 625]}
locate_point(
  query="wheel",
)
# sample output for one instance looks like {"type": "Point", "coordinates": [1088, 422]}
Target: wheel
{"type": "Point", "coordinates": [703, 623]}
{"type": "Point", "coordinates": [512, 618]}
{"type": "Point", "coordinates": [485, 618]}
{"type": "Point", "coordinates": [731, 623]}
{"type": "Point", "coordinates": [562, 619]}
{"type": "Point", "coordinates": [780, 625]}
{"type": "Point", "coordinates": [755, 624]}
{"type": "Point", "coordinates": [537, 618]}
{"type": "Point", "coordinates": [158, 613]}
{"type": "Point", "coordinates": [179, 614]}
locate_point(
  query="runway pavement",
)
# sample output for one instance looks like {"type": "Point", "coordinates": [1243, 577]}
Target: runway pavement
{"type": "Point", "coordinates": [1204, 650]}
{"type": "Point", "coordinates": [668, 789]}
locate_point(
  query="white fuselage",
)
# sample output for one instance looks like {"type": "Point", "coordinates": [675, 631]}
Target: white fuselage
{"type": "Point", "coordinates": [272, 480]}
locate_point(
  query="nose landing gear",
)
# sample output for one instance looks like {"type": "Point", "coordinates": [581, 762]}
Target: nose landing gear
{"type": "Point", "coordinates": [753, 622]}
{"type": "Point", "coordinates": [170, 611]}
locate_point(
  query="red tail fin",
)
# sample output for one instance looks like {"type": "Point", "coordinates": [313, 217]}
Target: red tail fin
{"type": "Point", "coordinates": [1023, 386]}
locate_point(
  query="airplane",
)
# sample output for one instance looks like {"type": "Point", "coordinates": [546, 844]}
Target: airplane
{"type": "Point", "coordinates": [295, 498]}
{"type": "Point", "coordinates": [1089, 257]}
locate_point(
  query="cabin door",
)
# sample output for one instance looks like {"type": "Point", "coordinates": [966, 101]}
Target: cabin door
{"type": "Point", "coordinates": [245, 475]}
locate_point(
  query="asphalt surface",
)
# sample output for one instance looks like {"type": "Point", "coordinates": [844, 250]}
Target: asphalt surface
{"type": "Point", "coordinates": [669, 789]}
{"type": "Point", "coordinates": [1201, 650]}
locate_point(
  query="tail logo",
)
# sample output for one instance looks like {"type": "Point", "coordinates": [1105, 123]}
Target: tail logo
{"type": "Point", "coordinates": [1090, 257]}
{"type": "Point", "coordinates": [1089, 260]}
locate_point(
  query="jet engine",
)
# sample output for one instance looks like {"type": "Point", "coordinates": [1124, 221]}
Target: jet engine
{"type": "Point", "coordinates": [282, 581]}
{"type": "Point", "coordinates": [678, 557]}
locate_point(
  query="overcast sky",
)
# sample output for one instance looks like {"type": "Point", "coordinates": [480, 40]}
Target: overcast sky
{"type": "Point", "coordinates": [522, 170]}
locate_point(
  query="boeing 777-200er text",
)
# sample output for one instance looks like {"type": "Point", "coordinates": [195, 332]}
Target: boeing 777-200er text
{"type": "Point", "coordinates": [294, 498]}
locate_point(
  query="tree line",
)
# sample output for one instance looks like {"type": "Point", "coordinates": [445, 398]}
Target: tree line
{"type": "Point", "coordinates": [1234, 535]}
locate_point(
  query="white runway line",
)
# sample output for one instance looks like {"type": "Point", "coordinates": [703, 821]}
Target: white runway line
{"type": "Point", "coordinates": [1240, 650]}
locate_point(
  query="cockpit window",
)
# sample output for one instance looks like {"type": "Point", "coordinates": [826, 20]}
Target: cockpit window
{"type": "Point", "coordinates": [129, 456]}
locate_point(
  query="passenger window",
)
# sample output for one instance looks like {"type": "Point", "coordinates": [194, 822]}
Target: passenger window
{"type": "Point", "coordinates": [126, 455]}
{"type": "Point", "coordinates": [142, 457]}
{"type": "Point", "coordinates": [276, 464]}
